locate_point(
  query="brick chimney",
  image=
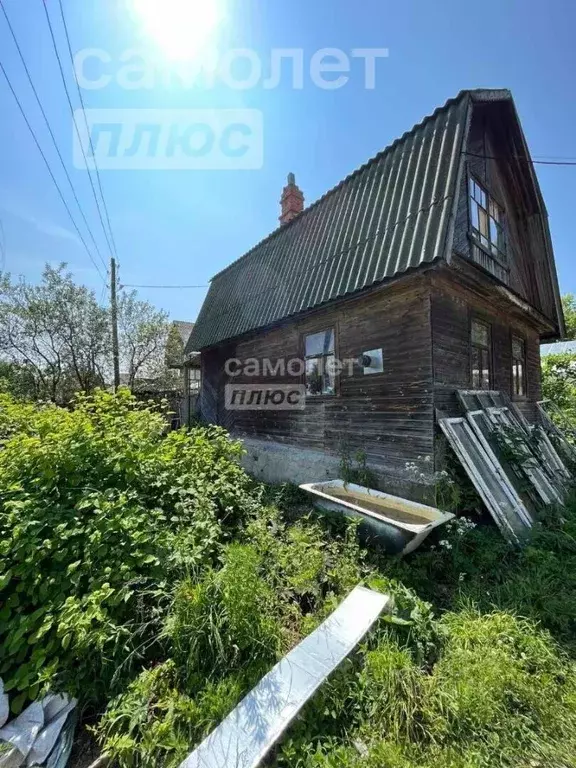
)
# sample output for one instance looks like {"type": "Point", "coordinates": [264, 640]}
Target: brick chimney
{"type": "Point", "coordinates": [292, 201]}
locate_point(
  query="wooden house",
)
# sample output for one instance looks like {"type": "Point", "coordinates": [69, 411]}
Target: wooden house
{"type": "Point", "coordinates": [428, 270]}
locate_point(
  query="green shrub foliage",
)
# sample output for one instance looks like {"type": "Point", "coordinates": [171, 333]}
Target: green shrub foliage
{"type": "Point", "coordinates": [99, 511]}
{"type": "Point", "coordinates": [146, 573]}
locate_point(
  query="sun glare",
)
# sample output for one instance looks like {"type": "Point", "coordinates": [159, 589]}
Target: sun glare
{"type": "Point", "coordinates": [182, 29]}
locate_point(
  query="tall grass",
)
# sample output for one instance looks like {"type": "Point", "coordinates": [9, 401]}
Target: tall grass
{"type": "Point", "coordinates": [473, 669]}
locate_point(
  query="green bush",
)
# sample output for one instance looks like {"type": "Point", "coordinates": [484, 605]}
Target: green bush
{"type": "Point", "coordinates": [559, 386]}
{"type": "Point", "coordinates": [226, 628]}
{"type": "Point", "coordinates": [100, 511]}
{"type": "Point", "coordinates": [147, 571]}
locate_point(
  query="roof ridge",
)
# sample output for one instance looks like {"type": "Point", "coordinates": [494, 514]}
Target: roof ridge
{"type": "Point", "coordinates": [378, 156]}
{"type": "Point", "coordinates": [399, 186]}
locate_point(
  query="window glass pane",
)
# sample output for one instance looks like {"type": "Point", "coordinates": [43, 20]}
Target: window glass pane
{"type": "Point", "coordinates": [475, 368]}
{"type": "Point", "coordinates": [329, 378]}
{"type": "Point", "coordinates": [483, 200]}
{"type": "Point", "coordinates": [480, 333]}
{"type": "Point", "coordinates": [474, 214]}
{"type": "Point", "coordinates": [520, 379]}
{"type": "Point", "coordinates": [517, 348]}
{"type": "Point", "coordinates": [485, 356]}
{"type": "Point", "coordinates": [320, 375]}
{"type": "Point", "coordinates": [483, 222]}
{"type": "Point", "coordinates": [314, 376]}
{"type": "Point", "coordinates": [493, 232]}
{"type": "Point", "coordinates": [471, 186]}
{"type": "Point", "coordinates": [320, 343]}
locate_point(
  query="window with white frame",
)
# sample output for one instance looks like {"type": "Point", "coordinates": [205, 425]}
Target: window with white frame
{"type": "Point", "coordinates": [194, 379]}
{"type": "Point", "coordinates": [487, 221]}
{"type": "Point", "coordinates": [320, 363]}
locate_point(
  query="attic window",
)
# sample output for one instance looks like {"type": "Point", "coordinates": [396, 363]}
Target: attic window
{"type": "Point", "coordinates": [320, 363]}
{"type": "Point", "coordinates": [487, 221]}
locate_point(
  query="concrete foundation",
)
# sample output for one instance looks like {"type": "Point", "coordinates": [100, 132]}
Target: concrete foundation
{"type": "Point", "coordinates": [272, 462]}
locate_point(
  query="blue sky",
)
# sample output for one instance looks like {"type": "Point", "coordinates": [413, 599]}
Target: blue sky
{"type": "Point", "coordinates": [181, 227]}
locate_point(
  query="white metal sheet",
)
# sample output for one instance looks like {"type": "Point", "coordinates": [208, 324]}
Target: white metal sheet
{"type": "Point", "coordinates": [247, 735]}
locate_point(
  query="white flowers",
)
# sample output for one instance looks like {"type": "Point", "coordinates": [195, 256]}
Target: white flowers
{"type": "Point", "coordinates": [460, 526]}
{"type": "Point", "coordinates": [432, 478]}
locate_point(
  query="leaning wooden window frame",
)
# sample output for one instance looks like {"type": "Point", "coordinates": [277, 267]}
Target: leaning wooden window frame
{"type": "Point", "coordinates": [549, 458]}
{"type": "Point", "coordinates": [320, 362]}
{"type": "Point", "coordinates": [480, 354]}
{"type": "Point", "coordinates": [553, 430]}
{"type": "Point", "coordinates": [518, 366]}
{"type": "Point", "coordinates": [487, 222]}
{"type": "Point", "coordinates": [483, 426]}
{"type": "Point", "coordinates": [489, 479]}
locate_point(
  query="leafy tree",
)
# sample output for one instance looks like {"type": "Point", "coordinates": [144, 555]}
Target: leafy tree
{"type": "Point", "coordinates": [569, 307]}
{"type": "Point", "coordinates": [144, 332]}
{"type": "Point", "coordinates": [56, 339]}
{"type": "Point", "coordinates": [55, 331]}
{"type": "Point", "coordinates": [559, 385]}
{"type": "Point", "coordinates": [16, 380]}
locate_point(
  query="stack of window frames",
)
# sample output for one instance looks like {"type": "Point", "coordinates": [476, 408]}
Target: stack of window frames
{"type": "Point", "coordinates": [542, 489]}
{"type": "Point", "coordinates": [490, 480]}
{"type": "Point", "coordinates": [491, 411]}
{"type": "Point", "coordinates": [554, 431]}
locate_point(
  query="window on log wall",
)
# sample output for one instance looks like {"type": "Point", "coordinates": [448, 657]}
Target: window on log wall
{"type": "Point", "coordinates": [480, 354]}
{"type": "Point", "coordinates": [487, 231]}
{"type": "Point", "coordinates": [320, 363]}
{"type": "Point", "coordinates": [518, 367]}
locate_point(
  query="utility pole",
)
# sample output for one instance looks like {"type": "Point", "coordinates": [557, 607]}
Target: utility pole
{"type": "Point", "coordinates": [114, 312]}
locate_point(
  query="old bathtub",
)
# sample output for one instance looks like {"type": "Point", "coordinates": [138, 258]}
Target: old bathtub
{"type": "Point", "coordinates": [394, 523]}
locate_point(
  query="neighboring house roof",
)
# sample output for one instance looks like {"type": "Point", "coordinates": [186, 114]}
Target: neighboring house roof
{"type": "Point", "coordinates": [176, 343]}
{"type": "Point", "coordinates": [558, 349]}
{"type": "Point", "coordinates": [392, 215]}
{"type": "Point", "coordinates": [184, 328]}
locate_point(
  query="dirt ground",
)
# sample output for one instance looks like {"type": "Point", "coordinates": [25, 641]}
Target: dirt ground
{"type": "Point", "coordinates": [85, 750]}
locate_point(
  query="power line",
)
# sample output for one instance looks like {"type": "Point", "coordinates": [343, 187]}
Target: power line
{"type": "Point", "coordinates": [554, 157]}
{"type": "Point", "coordinates": [164, 286]}
{"type": "Point", "coordinates": [69, 44]}
{"type": "Point", "coordinates": [63, 77]}
{"type": "Point", "coordinates": [66, 206]}
{"type": "Point", "coordinates": [42, 110]}
{"type": "Point", "coordinates": [523, 159]}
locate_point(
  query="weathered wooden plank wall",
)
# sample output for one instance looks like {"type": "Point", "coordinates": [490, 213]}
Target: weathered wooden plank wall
{"type": "Point", "coordinates": [452, 309]}
{"type": "Point", "coordinates": [489, 145]}
{"type": "Point", "coordinates": [389, 415]}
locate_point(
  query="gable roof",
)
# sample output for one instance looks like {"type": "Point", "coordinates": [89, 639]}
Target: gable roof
{"type": "Point", "coordinates": [184, 328]}
{"type": "Point", "coordinates": [391, 215]}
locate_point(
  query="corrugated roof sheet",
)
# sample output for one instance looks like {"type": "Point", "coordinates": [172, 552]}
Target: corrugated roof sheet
{"type": "Point", "coordinates": [184, 328]}
{"type": "Point", "coordinates": [560, 348]}
{"type": "Point", "coordinates": [389, 216]}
